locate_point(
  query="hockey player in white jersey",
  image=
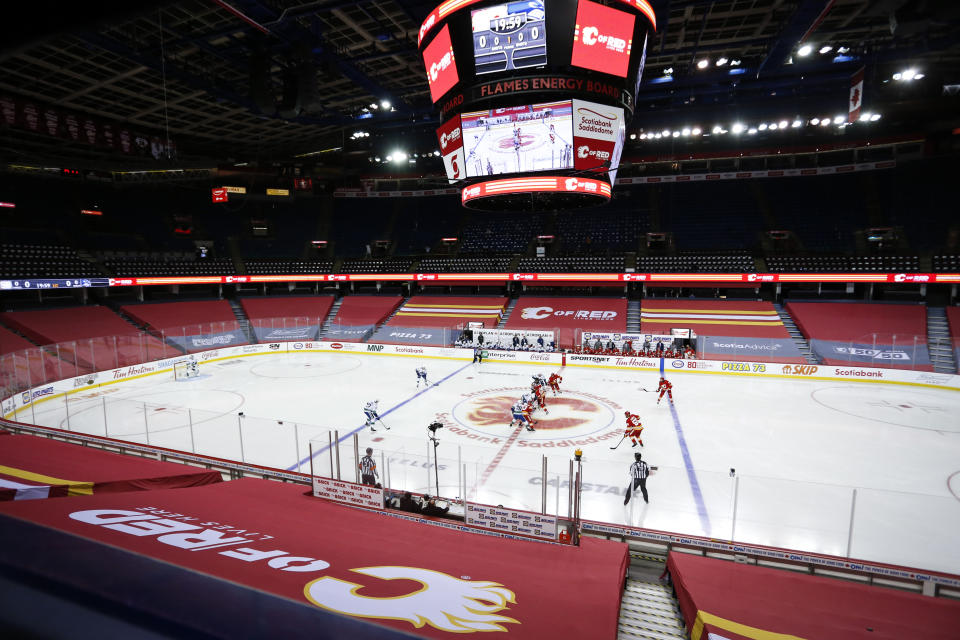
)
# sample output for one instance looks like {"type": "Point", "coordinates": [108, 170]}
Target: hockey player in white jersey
{"type": "Point", "coordinates": [193, 368]}
{"type": "Point", "coordinates": [540, 379]}
{"type": "Point", "coordinates": [370, 410]}
{"type": "Point", "coordinates": [422, 377]}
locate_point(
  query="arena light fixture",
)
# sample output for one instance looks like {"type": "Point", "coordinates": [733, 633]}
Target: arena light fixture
{"type": "Point", "coordinates": [825, 122]}
{"type": "Point", "coordinates": [865, 116]}
{"type": "Point", "coordinates": [751, 131]}
{"type": "Point", "coordinates": [797, 124]}
{"type": "Point", "coordinates": [702, 64]}
{"type": "Point", "coordinates": [385, 104]}
{"type": "Point", "coordinates": [676, 134]}
{"type": "Point", "coordinates": [773, 126]}
{"type": "Point", "coordinates": [399, 156]}
{"type": "Point", "coordinates": [898, 76]}
{"type": "Point", "coordinates": [686, 132]}
{"type": "Point", "coordinates": [721, 61]}
{"type": "Point", "coordinates": [874, 117]}
{"type": "Point", "coordinates": [804, 51]}
{"type": "Point", "coordinates": [666, 132]}
{"type": "Point", "coordinates": [735, 62]}
{"type": "Point", "coordinates": [815, 121]}
{"type": "Point", "coordinates": [717, 129]}
{"type": "Point", "coordinates": [696, 131]}
{"type": "Point", "coordinates": [825, 49]}
{"type": "Point", "coordinates": [738, 128]}
{"type": "Point", "coordinates": [908, 74]}
{"type": "Point", "coordinates": [633, 136]}
{"type": "Point", "coordinates": [668, 71]}
{"type": "Point", "coordinates": [374, 105]}
{"type": "Point", "coordinates": [659, 136]}
{"type": "Point", "coordinates": [762, 127]}
{"type": "Point", "coordinates": [783, 124]}
{"type": "Point", "coordinates": [842, 50]}
{"type": "Point", "coordinates": [839, 119]}
{"type": "Point", "coordinates": [919, 76]}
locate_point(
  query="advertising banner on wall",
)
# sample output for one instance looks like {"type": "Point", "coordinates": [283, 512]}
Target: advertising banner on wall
{"type": "Point", "coordinates": [281, 334]}
{"type": "Point", "coordinates": [208, 341]}
{"type": "Point", "coordinates": [906, 356]}
{"type": "Point", "coordinates": [348, 333]}
{"type": "Point", "coordinates": [450, 136]}
{"type": "Point", "coordinates": [348, 492]}
{"type": "Point", "coordinates": [522, 522]}
{"type": "Point", "coordinates": [754, 349]}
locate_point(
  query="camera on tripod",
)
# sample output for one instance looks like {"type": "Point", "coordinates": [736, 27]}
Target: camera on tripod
{"type": "Point", "coordinates": [432, 432]}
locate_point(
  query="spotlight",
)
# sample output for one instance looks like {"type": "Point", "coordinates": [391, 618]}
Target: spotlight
{"type": "Point", "coordinates": [865, 116]}
{"type": "Point", "coordinates": [735, 62]}
{"type": "Point", "coordinates": [825, 122]}
{"type": "Point", "coordinates": [783, 124]}
{"type": "Point", "coordinates": [908, 74]}
{"type": "Point", "coordinates": [668, 71]}
{"type": "Point", "coordinates": [390, 158]}
{"type": "Point", "coordinates": [825, 49]}
{"type": "Point", "coordinates": [919, 76]}
{"type": "Point", "coordinates": [763, 126]}
{"type": "Point", "coordinates": [666, 132]}
{"type": "Point", "coordinates": [842, 50]}
{"type": "Point", "coordinates": [703, 64]}
{"type": "Point", "coordinates": [804, 50]}
{"type": "Point", "coordinates": [385, 104]}
{"type": "Point", "coordinates": [752, 131]}
{"type": "Point", "coordinates": [796, 124]}
{"type": "Point", "coordinates": [633, 136]}
{"type": "Point", "coordinates": [815, 121]}
{"type": "Point", "coordinates": [686, 131]}
{"type": "Point", "coordinates": [738, 128]}
{"type": "Point", "coordinates": [773, 126]}
{"type": "Point", "coordinates": [721, 61]}
{"type": "Point", "coordinates": [399, 156]}
{"type": "Point", "coordinates": [696, 131]}
{"type": "Point", "coordinates": [839, 119]}
{"type": "Point", "coordinates": [659, 136]}
{"type": "Point", "coordinates": [898, 76]}
{"type": "Point", "coordinates": [377, 159]}
{"type": "Point", "coordinates": [716, 129]}
{"type": "Point", "coordinates": [374, 105]}
{"type": "Point", "coordinates": [676, 134]}
{"type": "Point", "coordinates": [874, 117]}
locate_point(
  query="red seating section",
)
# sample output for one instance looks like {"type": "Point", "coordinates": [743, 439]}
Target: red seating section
{"type": "Point", "coordinates": [730, 600]}
{"type": "Point", "coordinates": [10, 342]}
{"type": "Point", "coordinates": [857, 322]}
{"type": "Point", "coordinates": [93, 338]}
{"type": "Point", "coordinates": [314, 308]}
{"type": "Point", "coordinates": [366, 310]}
{"type": "Point", "coordinates": [735, 318]}
{"type": "Point", "coordinates": [200, 315]}
{"type": "Point", "coordinates": [445, 311]}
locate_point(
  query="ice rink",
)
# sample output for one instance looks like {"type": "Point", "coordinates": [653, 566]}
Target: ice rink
{"type": "Point", "coordinates": [819, 466]}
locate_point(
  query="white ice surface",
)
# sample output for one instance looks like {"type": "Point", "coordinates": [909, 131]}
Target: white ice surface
{"type": "Point", "coordinates": [799, 447]}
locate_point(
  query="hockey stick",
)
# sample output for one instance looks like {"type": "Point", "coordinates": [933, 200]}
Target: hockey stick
{"type": "Point", "coordinates": [622, 438]}
{"type": "Point", "coordinates": [383, 423]}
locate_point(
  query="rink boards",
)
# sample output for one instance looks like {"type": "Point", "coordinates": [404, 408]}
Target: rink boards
{"type": "Point", "coordinates": [36, 395]}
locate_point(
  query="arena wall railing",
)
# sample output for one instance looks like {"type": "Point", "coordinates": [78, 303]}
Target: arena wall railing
{"type": "Point", "coordinates": [81, 409]}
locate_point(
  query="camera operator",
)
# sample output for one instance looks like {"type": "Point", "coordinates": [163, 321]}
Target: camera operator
{"type": "Point", "coordinates": [431, 508]}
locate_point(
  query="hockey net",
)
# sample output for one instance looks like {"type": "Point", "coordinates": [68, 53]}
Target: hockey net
{"type": "Point", "coordinates": [181, 370]}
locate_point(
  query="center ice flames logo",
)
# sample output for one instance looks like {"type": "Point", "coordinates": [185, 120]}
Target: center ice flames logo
{"type": "Point", "coordinates": [442, 601]}
{"type": "Point", "coordinates": [565, 413]}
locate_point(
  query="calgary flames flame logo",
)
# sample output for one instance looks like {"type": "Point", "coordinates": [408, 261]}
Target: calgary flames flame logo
{"type": "Point", "coordinates": [565, 413]}
{"type": "Point", "coordinates": [443, 602]}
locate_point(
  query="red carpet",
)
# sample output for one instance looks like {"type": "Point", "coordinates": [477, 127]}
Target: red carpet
{"type": "Point", "coordinates": [417, 578]}
{"type": "Point", "coordinates": [32, 467]}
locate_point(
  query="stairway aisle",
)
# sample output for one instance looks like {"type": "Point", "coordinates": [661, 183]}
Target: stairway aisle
{"type": "Point", "coordinates": [939, 341]}
{"type": "Point", "coordinates": [243, 321]}
{"type": "Point", "coordinates": [794, 332]}
{"type": "Point", "coordinates": [633, 316]}
{"type": "Point", "coordinates": [649, 611]}
{"type": "Point", "coordinates": [330, 316]}
{"type": "Point", "coordinates": [506, 313]}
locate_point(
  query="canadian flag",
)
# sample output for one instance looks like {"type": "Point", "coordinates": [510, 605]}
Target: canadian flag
{"type": "Point", "coordinates": [856, 95]}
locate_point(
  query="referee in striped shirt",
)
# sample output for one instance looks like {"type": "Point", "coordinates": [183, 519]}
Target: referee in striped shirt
{"type": "Point", "coordinates": [639, 471]}
{"type": "Point", "coordinates": [368, 468]}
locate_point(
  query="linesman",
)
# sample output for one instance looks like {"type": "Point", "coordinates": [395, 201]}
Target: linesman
{"type": "Point", "coordinates": [639, 471]}
{"type": "Point", "coordinates": [368, 469]}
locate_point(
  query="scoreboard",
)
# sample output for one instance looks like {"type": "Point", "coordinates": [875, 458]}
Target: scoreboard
{"type": "Point", "coordinates": [539, 88]}
{"type": "Point", "coordinates": [509, 36]}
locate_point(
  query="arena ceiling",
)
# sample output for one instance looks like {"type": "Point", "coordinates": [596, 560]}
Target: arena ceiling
{"type": "Point", "coordinates": [217, 75]}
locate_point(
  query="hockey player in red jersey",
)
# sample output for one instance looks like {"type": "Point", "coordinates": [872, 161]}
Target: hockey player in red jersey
{"type": "Point", "coordinates": [634, 428]}
{"type": "Point", "coordinates": [554, 382]}
{"type": "Point", "coordinates": [542, 398]}
{"type": "Point", "coordinates": [665, 388]}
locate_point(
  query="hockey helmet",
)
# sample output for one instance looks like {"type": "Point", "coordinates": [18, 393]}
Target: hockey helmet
{"type": "Point", "coordinates": [626, 413]}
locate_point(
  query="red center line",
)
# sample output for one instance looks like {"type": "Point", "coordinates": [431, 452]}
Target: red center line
{"type": "Point", "coordinates": [497, 458]}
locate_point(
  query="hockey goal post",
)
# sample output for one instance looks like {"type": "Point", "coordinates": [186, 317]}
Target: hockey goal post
{"type": "Point", "coordinates": [181, 370]}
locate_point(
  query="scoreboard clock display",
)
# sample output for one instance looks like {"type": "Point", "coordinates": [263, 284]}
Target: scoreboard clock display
{"type": "Point", "coordinates": [509, 36]}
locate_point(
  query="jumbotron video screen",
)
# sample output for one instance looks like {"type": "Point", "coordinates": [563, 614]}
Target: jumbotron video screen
{"type": "Point", "coordinates": [509, 36]}
{"type": "Point", "coordinates": [537, 137]}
